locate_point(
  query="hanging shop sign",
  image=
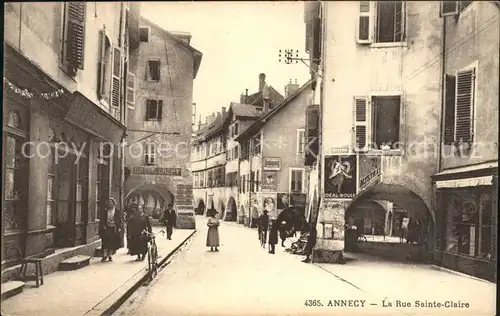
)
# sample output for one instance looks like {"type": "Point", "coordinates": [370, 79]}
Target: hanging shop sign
{"type": "Point", "coordinates": [158, 171]}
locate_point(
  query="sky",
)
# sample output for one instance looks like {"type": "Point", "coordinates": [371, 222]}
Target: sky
{"type": "Point", "coordinates": [239, 40]}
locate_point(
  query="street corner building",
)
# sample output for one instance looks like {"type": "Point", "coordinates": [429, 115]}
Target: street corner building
{"type": "Point", "coordinates": [244, 158]}
{"type": "Point", "coordinates": [408, 123]}
{"type": "Point", "coordinates": [157, 149]}
{"type": "Point", "coordinates": [74, 76]}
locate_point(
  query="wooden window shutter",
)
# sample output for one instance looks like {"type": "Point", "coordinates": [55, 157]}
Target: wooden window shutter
{"type": "Point", "coordinates": [75, 37]}
{"type": "Point", "coordinates": [130, 90]}
{"type": "Point", "coordinates": [361, 123]}
{"type": "Point", "coordinates": [449, 8]}
{"type": "Point", "coordinates": [449, 109]}
{"type": "Point", "coordinates": [316, 39]}
{"type": "Point", "coordinates": [312, 135]}
{"type": "Point", "coordinates": [116, 77]}
{"type": "Point", "coordinates": [364, 26]}
{"type": "Point", "coordinates": [102, 63]}
{"type": "Point", "coordinates": [464, 105]}
{"type": "Point", "coordinates": [148, 109]}
{"type": "Point", "coordinates": [160, 109]}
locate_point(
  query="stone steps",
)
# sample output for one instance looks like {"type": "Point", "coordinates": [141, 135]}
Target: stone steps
{"type": "Point", "coordinates": [11, 288]}
{"type": "Point", "coordinates": [74, 263]}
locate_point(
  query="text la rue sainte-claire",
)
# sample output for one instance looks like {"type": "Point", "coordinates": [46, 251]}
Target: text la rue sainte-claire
{"type": "Point", "coordinates": [387, 303]}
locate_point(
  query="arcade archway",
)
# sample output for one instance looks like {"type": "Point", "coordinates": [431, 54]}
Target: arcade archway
{"type": "Point", "coordinates": [154, 198]}
{"type": "Point", "coordinates": [200, 207]}
{"type": "Point", "coordinates": [231, 213]}
{"type": "Point", "coordinates": [395, 222]}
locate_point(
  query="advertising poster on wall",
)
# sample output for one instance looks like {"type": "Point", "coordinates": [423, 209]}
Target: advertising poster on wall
{"type": "Point", "coordinates": [269, 182]}
{"type": "Point", "coordinates": [283, 200]}
{"type": "Point", "coordinates": [369, 171]}
{"type": "Point", "coordinates": [340, 177]}
{"type": "Point", "coordinates": [269, 205]}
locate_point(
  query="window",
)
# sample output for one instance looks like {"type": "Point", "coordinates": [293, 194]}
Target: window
{"type": "Point", "coordinates": [130, 95]}
{"type": "Point", "coordinates": [116, 82]}
{"type": "Point", "coordinates": [459, 106]}
{"type": "Point", "coordinates": [50, 188]}
{"type": "Point", "coordinates": [144, 34]}
{"type": "Point", "coordinates": [252, 181]}
{"type": "Point", "coordinates": [12, 183]}
{"type": "Point", "coordinates": [104, 67]}
{"type": "Point", "coordinates": [150, 154]}
{"type": "Point", "coordinates": [98, 190]}
{"type": "Point", "coordinates": [74, 36]}
{"type": "Point", "coordinates": [81, 189]}
{"type": "Point", "coordinates": [202, 179]}
{"type": "Point", "coordinates": [210, 180]}
{"type": "Point", "coordinates": [451, 8]}
{"type": "Point", "coordinates": [236, 129]}
{"type": "Point", "coordinates": [153, 70]}
{"type": "Point", "coordinates": [296, 180]}
{"type": "Point", "coordinates": [154, 109]}
{"type": "Point", "coordinates": [301, 139]}
{"type": "Point", "coordinates": [256, 144]}
{"type": "Point", "coordinates": [468, 222]}
{"type": "Point", "coordinates": [388, 24]}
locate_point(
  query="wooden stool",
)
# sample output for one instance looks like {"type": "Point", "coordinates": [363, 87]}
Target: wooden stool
{"type": "Point", "coordinates": [38, 277]}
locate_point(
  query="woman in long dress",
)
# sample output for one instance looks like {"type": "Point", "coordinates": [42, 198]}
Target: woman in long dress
{"type": "Point", "coordinates": [111, 228]}
{"type": "Point", "coordinates": [138, 241]}
{"type": "Point", "coordinates": [213, 232]}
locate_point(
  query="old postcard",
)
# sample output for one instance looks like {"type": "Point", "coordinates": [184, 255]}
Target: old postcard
{"type": "Point", "coordinates": [250, 158]}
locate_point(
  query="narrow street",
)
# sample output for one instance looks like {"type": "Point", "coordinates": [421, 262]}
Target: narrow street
{"type": "Point", "coordinates": [243, 279]}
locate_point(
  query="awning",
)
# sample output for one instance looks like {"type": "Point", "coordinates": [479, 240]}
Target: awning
{"type": "Point", "coordinates": [468, 176]}
{"type": "Point", "coordinates": [90, 117]}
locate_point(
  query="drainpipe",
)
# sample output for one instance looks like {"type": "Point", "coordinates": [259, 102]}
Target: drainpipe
{"type": "Point", "coordinates": [443, 97]}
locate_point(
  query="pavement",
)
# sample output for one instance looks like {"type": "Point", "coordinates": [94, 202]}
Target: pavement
{"type": "Point", "coordinates": [89, 290]}
{"type": "Point", "coordinates": [243, 279]}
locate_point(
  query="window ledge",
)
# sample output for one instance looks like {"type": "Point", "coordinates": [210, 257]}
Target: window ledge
{"type": "Point", "coordinates": [388, 45]}
{"type": "Point", "coordinates": [12, 232]}
{"type": "Point", "coordinates": [50, 227]}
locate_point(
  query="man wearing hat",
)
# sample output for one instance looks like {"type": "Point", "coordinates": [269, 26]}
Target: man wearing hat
{"type": "Point", "coordinates": [263, 227]}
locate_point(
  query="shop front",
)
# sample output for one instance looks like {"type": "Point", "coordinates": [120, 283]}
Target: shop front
{"type": "Point", "coordinates": [466, 220]}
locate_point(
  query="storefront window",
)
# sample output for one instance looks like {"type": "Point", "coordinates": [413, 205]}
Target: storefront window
{"type": "Point", "coordinates": [13, 182]}
{"type": "Point", "coordinates": [50, 189]}
{"type": "Point", "coordinates": [468, 222]}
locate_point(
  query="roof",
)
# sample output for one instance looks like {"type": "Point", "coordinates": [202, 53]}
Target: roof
{"type": "Point", "coordinates": [177, 37]}
{"type": "Point", "coordinates": [255, 127]}
{"type": "Point", "coordinates": [274, 96]}
{"type": "Point", "coordinates": [244, 110]}
{"type": "Point", "coordinates": [211, 129]}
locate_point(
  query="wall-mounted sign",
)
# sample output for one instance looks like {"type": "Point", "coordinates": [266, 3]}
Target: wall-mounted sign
{"type": "Point", "coordinates": [283, 200]}
{"type": "Point", "coordinates": [369, 171]}
{"type": "Point", "coordinates": [157, 171]}
{"type": "Point", "coordinates": [269, 205]}
{"type": "Point", "coordinates": [269, 181]}
{"type": "Point", "coordinates": [340, 150]}
{"type": "Point", "coordinates": [340, 177]}
{"type": "Point", "coordinates": [271, 164]}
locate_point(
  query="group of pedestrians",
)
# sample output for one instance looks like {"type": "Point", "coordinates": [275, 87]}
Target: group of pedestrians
{"type": "Point", "coordinates": [137, 223]}
{"type": "Point", "coordinates": [285, 225]}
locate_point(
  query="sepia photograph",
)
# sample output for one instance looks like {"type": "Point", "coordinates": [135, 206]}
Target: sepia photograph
{"type": "Point", "coordinates": [247, 158]}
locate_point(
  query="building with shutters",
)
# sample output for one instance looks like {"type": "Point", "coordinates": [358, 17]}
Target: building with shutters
{"type": "Point", "coordinates": [379, 119]}
{"type": "Point", "coordinates": [220, 179]}
{"type": "Point", "coordinates": [272, 157]}
{"type": "Point", "coordinates": [160, 110]}
{"type": "Point", "coordinates": [400, 102]}
{"type": "Point", "coordinates": [466, 184]}
{"type": "Point", "coordinates": [64, 119]}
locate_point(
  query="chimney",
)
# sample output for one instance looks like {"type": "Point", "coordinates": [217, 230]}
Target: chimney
{"type": "Point", "coordinates": [291, 88]}
{"type": "Point", "coordinates": [266, 99]}
{"type": "Point", "coordinates": [223, 111]}
{"type": "Point", "coordinates": [213, 117]}
{"type": "Point", "coordinates": [218, 116]}
{"type": "Point", "coordinates": [262, 81]}
{"type": "Point", "coordinates": [242, 98]}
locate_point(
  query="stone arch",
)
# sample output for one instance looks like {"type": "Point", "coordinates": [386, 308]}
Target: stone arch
{"type": "Point", "coordinates": [407, 199]}
{"type": "Point", "coordinates": [231, 213]}
{"type": "Point", "coordinates": [153, 197]}
{"type": "Point", "coordinates": [200, 207]}
{"type": "Point", "coordinates": [241, 215]}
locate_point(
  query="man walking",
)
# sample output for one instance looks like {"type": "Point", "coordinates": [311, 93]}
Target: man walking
{"type": "Point", "coordinates": [263, 228]}
{"type": "Point", "coordinates": [169, 219]}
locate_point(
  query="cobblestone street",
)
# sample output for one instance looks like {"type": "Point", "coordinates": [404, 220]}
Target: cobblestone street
{"type": "Point", "coordinates": [243, 279]}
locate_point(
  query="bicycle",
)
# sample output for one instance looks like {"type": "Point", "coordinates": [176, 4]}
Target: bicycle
{"type": "Point", "coordinates": [152, 254]}
{"type": "Point", "coordinates": [361, 239]}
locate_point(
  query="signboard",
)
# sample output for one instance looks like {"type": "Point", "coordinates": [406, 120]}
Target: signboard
{"type": "Point", "coordinates": [298, 199]}
{"type": "Point", "coordinates": [339, 150]}
{"type": "Point", "coordinates": [283, 201]}
{"type": "Point", "coordinates": [340, 176]}
{"type": "Point", "coordinates": [271, 164]}
{"type": "Point", "coordinates": [157, 171]}
{"type": "Point", "coordinates": [269, 181]}
{"type": "Point", "coordinates": [269, 204]}
{"type": "Point", "coordinates": [369, 171]}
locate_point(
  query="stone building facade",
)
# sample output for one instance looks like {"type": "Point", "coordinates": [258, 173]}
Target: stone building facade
{"type": "Point", "coordinates": [62, 162]}
{"type": "Point", "coordinates": [160, 109]}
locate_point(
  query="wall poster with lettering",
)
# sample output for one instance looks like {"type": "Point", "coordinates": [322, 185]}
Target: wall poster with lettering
{"type": "Point", "coordinates": [269, 181]}
{"type": "Point", "coordinates": [283, 201]}
{"type": "Point", "coordinates": [269, 205]}
{"type": "Point", "coordinates": [340, 176]}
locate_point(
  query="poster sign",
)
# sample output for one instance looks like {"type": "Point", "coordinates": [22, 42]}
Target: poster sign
{"type": "Point", "coordinates": [340, 177]}
{"type": "Point", "coordinates": [269, 181]}
{"type": "Point", "coordinates": [273, 164]}
{"type": "Point", "coordinates": [283, 201]}
{"type": "Point", "coordinates": [269, 204]}
{"type": "Point", "coordinates": [369, 171]}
